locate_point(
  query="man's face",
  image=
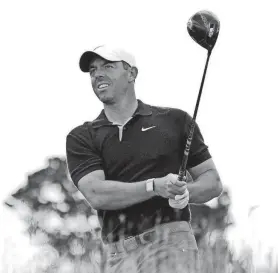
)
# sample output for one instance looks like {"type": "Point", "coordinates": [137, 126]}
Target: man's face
{"type": "Point", "coordinates": [109, 80]}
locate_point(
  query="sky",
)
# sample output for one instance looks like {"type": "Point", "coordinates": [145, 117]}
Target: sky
{"type": "Point", "coordinates": [44, 94]}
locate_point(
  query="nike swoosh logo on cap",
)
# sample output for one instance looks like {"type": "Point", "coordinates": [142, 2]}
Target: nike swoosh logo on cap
{"type": "Point", "coordinates": [148, 128]}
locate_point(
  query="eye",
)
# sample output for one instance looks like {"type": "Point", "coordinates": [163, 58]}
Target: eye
{"type": "Point", "coordinates": [92, 71]}
{"type": "Point", "coordinates": [109, 66]}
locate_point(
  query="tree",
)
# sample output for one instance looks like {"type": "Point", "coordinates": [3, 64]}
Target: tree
{"type": "Point", "coordinates": [57, 214]}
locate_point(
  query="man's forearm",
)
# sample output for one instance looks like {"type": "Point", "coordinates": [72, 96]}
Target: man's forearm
{"type": "Point", "coordinates": [113, 195]}
{"type": "Point", "coordinates": [206, 187]}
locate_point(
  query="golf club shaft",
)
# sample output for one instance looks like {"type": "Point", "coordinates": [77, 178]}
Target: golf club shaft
{"type": "Point", "coordinates": [182, 170]}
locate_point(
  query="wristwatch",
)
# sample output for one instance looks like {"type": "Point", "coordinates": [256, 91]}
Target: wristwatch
{"type": "Point", "coordinates": [150, 185]}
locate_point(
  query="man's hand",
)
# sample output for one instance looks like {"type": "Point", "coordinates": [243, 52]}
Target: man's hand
{"type": "Point", "coordinates": [169, 186]}
{"type": "Point", "coordinates": [181, 201]}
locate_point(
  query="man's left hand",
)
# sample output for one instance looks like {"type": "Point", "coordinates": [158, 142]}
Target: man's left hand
{"type": "Point", "coordinates": [181, 201]}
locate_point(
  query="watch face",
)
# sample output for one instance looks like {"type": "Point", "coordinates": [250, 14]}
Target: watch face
{"type": "Point", "coordinates": [149, 185]}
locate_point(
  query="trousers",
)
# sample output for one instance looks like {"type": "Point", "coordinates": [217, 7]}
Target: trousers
{"type": "Point", "coordinates": [172, 248]}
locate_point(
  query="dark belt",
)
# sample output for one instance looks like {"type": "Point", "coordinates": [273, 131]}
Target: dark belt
{"type": "Point", "coordinates": [146, 237]}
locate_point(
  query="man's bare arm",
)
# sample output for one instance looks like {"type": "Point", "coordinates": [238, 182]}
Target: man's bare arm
{"type": "Point", "coordinates": [112, 195]}
{"type": "Point", "coordinates": [207, 184]}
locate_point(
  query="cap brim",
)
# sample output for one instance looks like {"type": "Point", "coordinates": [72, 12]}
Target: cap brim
{"type": "Point", "coordinates": [86, 59]}
{"type": "Point", "coordinates": [88, 56]}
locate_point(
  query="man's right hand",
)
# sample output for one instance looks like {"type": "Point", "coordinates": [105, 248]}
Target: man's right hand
{"type": "Point", "coordinates": [169, 186]}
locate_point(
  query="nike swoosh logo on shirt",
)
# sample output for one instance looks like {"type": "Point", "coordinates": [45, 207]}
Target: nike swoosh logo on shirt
{"type": "Point", "coordinates": [146, 129]}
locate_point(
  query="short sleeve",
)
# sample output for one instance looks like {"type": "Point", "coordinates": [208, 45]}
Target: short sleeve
{"type": "Point", "coordinates": [199, 150]}
{"type": "Point", "coordinates": [82, 156]}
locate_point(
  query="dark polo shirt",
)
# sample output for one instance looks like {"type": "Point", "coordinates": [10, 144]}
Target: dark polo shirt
{"type": "Point", "coordinates": [151, 146]}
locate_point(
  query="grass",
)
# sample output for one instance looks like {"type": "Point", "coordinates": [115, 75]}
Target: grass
{"type": "Point", "coordinates": [215, 257]}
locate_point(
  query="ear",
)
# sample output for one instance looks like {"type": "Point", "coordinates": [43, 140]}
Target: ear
{"type": "Point", "coordinates": [133, 72]}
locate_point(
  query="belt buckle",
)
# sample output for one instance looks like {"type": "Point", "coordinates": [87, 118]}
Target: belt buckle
{"type": "Point", "coordinates": [130, 243]}
{"type": "Point", "coordinates": [148, 237]}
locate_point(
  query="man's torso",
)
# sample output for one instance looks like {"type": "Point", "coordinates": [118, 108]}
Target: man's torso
{"type": "Point", "coordinates": [151, 145]}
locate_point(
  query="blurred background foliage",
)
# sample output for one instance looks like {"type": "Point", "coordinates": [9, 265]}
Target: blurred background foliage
{"type": "Point", "coordinates": [60, 221]}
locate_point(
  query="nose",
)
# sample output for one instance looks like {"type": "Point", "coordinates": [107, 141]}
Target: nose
{"type": "Point", "coordinates": [97, 76]}
{"type": "Point", "coordinates": [99, 72]}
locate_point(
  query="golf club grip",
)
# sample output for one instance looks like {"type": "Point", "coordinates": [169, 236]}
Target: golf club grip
{"type": "Point", "coordinates": [182, 170]}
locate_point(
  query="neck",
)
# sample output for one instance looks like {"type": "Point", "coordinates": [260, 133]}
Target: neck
{"type": "Point", "coordinates": [122, 110]}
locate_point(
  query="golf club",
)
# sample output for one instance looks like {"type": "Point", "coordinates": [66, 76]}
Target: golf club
{"type": "Point", "coordinates": [203, 27]}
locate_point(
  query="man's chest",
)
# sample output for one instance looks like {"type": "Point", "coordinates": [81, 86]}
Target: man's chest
{"type": "Point", "coordinates": [139, 144]}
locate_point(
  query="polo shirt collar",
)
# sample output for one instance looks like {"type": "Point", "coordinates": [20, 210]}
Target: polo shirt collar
{"type": "Point", "coordinates": [142, 110]}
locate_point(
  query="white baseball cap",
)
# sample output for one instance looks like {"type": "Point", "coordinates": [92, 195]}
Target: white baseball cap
{"type": "Point", "coordinates": [108, 53]}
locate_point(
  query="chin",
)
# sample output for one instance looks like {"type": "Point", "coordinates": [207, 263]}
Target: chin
{"type": "Point", "coordinates": [106, 100]}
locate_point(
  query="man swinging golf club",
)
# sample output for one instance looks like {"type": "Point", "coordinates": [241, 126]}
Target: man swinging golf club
{"type": "Point", "coordinates": [130, 165]}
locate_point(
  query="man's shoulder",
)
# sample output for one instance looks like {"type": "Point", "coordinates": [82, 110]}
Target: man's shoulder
{"type": "Point", "coordinates": [81, 129]}
{"type": "Point", "coordinates": [169, 111]}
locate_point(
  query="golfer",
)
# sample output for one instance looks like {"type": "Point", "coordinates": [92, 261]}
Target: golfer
{"type": "Point", "coordinates": [125, 163]}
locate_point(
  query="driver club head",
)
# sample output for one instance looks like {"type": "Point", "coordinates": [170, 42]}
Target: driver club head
{"type": "Point", "coordinates": [203, 27]}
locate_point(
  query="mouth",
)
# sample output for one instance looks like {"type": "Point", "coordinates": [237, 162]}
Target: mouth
{"type": "Point", "coordinates": [102, 86]}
